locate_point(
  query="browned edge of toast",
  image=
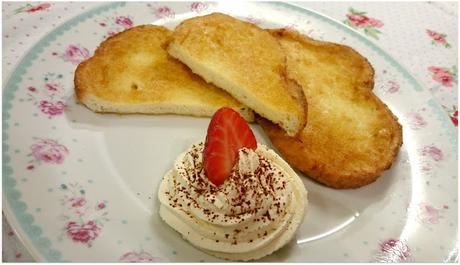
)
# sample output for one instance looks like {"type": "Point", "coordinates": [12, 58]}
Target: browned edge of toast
{"type": "Point", "coordinates": [277, 135]}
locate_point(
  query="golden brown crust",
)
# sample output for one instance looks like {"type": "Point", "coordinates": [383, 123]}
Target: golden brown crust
{"type": "Point", "coordinates": [351, 136]}
{"type": "Point", "coordinates": [296, 92]}
{"type": "Point", "coordinates": [94, 76]}
{"type": "Point", "coordinates": [244, 60]}
{"type": "Point", "coordinates": [131, 72]}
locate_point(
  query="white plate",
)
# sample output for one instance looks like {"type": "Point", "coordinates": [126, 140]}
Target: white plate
{"type": "Point", "coordinates": [80, 186]}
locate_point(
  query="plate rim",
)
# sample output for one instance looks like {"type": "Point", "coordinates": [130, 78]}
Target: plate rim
{"type": "Point", "coordinates": [22, 222]}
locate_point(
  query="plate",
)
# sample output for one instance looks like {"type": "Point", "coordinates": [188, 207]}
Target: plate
{"type": "Point", "coordinates": [80, 186]}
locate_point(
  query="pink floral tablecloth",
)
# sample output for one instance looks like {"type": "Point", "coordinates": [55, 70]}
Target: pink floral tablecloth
{"type": "Point", "coordinates": [422, 36]}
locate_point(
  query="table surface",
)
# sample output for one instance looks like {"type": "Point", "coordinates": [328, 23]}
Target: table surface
{"type": "Point", "coordinates": [422, 36]}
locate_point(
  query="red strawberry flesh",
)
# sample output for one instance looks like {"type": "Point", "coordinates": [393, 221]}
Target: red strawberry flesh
{"type": "Point", "coordinates": [227, 133]}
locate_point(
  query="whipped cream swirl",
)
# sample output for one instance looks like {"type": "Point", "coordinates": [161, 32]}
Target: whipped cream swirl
{"type": "Point", "coordinates": [250, 209]}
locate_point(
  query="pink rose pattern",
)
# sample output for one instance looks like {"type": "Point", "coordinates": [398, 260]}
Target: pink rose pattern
{"type": "Point", "coordinates": [52, 108]}
{"type": "Point", "coordinates": [358, 20]}
{"type": "Point", "coordinates": [77, 202]}
{"type": "Point", "coordinates": [32, 8]}
{"type": "Point", "coordinates": [48, 151]}
{"type": "Point", "coordinates": [426, 166]}
{"type": "Point", "coordinates": [138, 256]}
{"type": "Point", "coordinates": [83, 221]}
{"type": "Point", "coordinates": [83, 233]}
{"type": "Point", "coordinates": [430, 154]}
{"type": "Point", "coordinates": [453, 114]}
{"type": "Point", "coordinates": [164, 12]}
{"type": "Point", "coordinates": [75, 54]}
{"type": "Point", "coordinates": [427, 214]}
{"type": "Point", "coordinates": [115, 25]}
{"type": "Point", "coordinates": [454, 117]}
{"type": "Point", "coordinates": [393, 250]}
{"type": "Point", "coordinates": [433, 152]}
{"type": "Point", "coordinates": [125, 22]}
{"type": "Point", "coordinates": [198, 7]}
{"type": "Point", "coordinates": [438, 38]}
{"type": "Point", "coordinates": [391, 87]}
{"type": "Point", "coordinates": [445, 76]}
{"type": "Point", "coordinates": [48, 97]}
{"type": "Point", "coordinates": [416, 121]}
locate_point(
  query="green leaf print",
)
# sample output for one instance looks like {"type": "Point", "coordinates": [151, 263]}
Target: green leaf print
{"type": "Point", "coordinates": [455, 74]}
{"type": "Point", "coordinates": [372, 32]}
{"type": "Point", "coordinates": [356, 12]}
{"type": "Point", "coordinates": [358, 20]}
{"type": "Point", "coordinates": [22, 8]}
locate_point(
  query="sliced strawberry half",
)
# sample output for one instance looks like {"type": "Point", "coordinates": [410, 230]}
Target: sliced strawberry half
{"type": "Point", "coordinates": [227, 133]}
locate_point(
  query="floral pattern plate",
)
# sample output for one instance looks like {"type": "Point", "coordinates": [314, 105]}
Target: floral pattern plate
{"type": "Point", "coordinates": [81, 186]}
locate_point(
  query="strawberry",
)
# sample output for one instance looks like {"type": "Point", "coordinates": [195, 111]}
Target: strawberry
{"type": "Point", "coordinates": [227, 133]}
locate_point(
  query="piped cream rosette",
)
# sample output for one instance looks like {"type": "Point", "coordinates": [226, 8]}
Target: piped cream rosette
{"type": "Point", "coordinates": [253, 213]}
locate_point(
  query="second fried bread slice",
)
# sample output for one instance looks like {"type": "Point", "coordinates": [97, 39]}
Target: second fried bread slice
{"type": "Point", "coordinates": [244, 60]}
{"type": "Point", "coordinates": [351, 136]}
{"type": "Point", "coordinates": [131, 72]}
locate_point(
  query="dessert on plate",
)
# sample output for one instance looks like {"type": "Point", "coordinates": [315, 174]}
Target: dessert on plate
{"type": "Point", "coordinates": [313, 99]}
{"type": "Point", "coordinates": [231, 197]}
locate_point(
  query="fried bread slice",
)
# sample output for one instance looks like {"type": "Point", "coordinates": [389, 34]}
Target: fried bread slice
{"type": "Point", "coordinates": [244, 60]}
{"type": "Point", "coordinates": [351, 136]}
{"type": "Point", "coordinates": [131, 72]}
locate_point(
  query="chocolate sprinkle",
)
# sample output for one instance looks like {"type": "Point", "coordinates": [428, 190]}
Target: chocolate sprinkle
{"type": "Point", "coordinates": [244, 194]}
